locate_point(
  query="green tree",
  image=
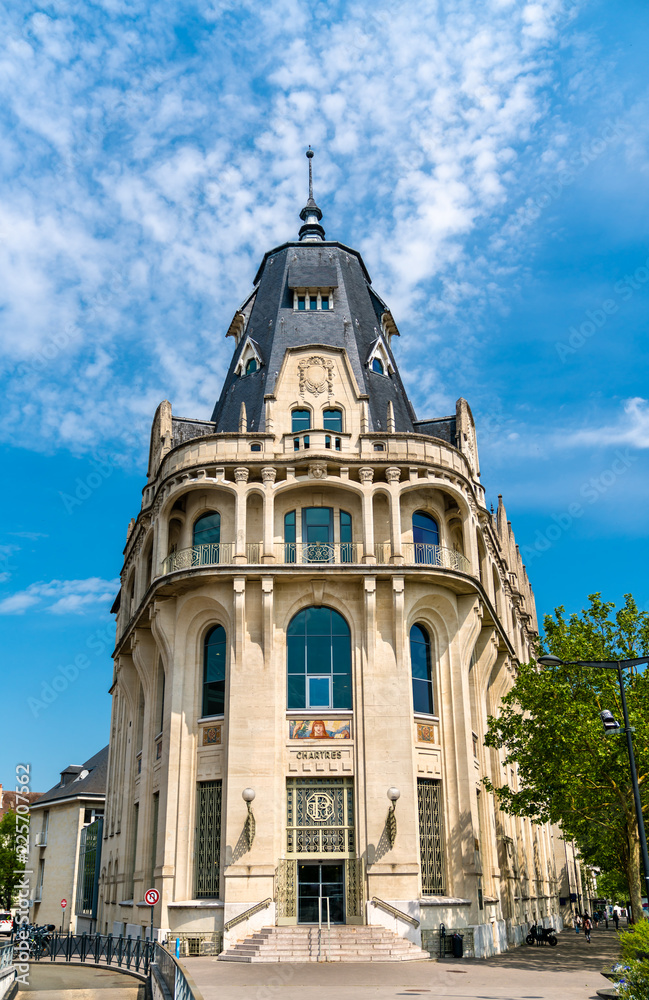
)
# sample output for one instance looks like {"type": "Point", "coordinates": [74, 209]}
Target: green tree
{"type": "Point", "coordinates": [569, 771]}
{"type": "Point", "coordinates": [12, 857]}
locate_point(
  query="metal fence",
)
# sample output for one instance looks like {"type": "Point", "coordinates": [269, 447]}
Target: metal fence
{"type": "Point", "coordinates": [6, 955]}
{"type": "Point", "coordinates": [173, 975]}
{"type": "Point", "coordinates": [129, 953]}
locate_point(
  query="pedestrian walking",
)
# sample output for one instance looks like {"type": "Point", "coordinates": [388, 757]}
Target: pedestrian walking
{"type": "Point", "coordinates": [588, 926]}
{"type": "Point", "coordinates": [616, 919]}
{"type": "Point", "coordinates": [577, 923]}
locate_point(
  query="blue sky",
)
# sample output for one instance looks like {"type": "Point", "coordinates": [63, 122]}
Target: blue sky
{"type": "Point", "coordinates": [489, 159]}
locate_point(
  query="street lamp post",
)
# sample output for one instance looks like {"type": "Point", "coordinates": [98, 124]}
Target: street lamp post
{"type": "Point", "coordinates": [618, 665]}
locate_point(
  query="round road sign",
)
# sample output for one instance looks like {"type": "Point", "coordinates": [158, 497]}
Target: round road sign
{"type": "Point", "coordinates": [64, 903]}
{"type": "Point", "coordinates": [151, 896]}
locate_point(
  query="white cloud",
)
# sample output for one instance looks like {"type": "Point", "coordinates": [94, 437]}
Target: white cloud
{"type": "Point", "coordinates": [142, 184]}
{"type": "Point", "coordinates": [60, 597]}
{"type": "Point", "coordinates": [631, 429]}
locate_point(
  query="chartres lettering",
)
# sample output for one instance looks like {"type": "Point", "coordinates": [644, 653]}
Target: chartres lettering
{"type": "Point", "coordinates": [319, 754]}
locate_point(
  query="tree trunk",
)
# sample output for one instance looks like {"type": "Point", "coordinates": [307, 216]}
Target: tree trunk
{"type": "Point", "coordinates": [633, 872]}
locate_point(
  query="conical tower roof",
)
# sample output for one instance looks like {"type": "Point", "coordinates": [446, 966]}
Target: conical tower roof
{"type": "Point", "coordinates": [358, 321]}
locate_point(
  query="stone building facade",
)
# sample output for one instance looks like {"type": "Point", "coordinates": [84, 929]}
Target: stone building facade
{"type": "Point", "coordinates": [317, 613]}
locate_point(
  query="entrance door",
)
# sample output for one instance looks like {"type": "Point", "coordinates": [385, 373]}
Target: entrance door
{"type": "Point", "coordinates": [321, 880]}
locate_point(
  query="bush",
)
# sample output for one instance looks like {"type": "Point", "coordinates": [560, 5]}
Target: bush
{"type": "Point", "coordinates": [635, 940]}
{"type": "Point", "coordinates": [635, 984]}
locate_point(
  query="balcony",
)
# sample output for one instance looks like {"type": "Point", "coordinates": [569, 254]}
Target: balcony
{"type": "Point", "coordinates": [317, 553]}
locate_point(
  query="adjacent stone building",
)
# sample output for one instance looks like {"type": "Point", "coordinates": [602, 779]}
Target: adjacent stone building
{"type": "Point", "coordinates": [318, 611]}
{"type": "Point", "coordinates": [65, 847]}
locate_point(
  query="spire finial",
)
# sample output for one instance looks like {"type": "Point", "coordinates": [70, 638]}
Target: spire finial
{"type": "Point", "coordinates": [311, 231]}
{"type": "Point", "coordinates": [310, 154]}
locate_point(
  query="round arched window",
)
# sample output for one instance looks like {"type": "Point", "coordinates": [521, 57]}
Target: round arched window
{"type": "Point", "coordinates": [425, 535]}
{"type": "Point", "coordinates": [422, 675]}
{"type": "Point", "coordinates": [319, 661]}
{"type": "Point", "coordinates": [214, 672]}
{"type": "Point", "coordinates": [377, 366]}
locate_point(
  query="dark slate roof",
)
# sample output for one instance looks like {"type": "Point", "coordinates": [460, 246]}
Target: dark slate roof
{"type": "Point", "coordinates": [93, 785]}
{"type": "Point", "coordinates": [354, 324]}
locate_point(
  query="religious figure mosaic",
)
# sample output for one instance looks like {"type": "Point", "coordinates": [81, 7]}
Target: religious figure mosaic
{"type": "Point", "coordinates": [318, 729]}
{"type": "Point", "coordinates": [211, 735]}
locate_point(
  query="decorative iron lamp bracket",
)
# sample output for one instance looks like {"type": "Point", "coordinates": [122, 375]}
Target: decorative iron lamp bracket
{"type": "Point", "coordinates": [250, 826]}
{"type": "Point", "coordinates": [391, 822]}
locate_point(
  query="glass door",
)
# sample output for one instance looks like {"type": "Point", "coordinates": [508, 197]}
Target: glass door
{"type": "Point", "coordinates": [317, 534]}
{"type": "Point", "coordinates": [321, 881]}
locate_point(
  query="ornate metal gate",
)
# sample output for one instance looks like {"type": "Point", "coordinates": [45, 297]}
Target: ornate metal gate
{"type": "Point", "coordinates": [208, 840]}
{"type": "Point", "coordinates": [431, 848]}
{"type": "Point", "coordinates": [320, 817]}
{"type": "Point", "coordinates": [286, 891]}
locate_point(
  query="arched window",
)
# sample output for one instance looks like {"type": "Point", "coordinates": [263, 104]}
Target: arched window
{"type": "Point", "coordinates": [251, 366]}
{"type": "Point", "coordinates": [377, 366]}
{"type": "Point", "coordinates": [300, 420]}
{"type": "Point", "coordinates": [425, 535]}
{"type": "Point", "coordinates": [332, 420]}
{"type": "Point", "coordinates": [422, 676]}
{"type": "Point", "coordinates": [255, 447]}
{"type": "Point", "coordinates": [206, 538]}
{"type": "Point", "coordinates": [319, 660]}
{"type": "Point", "coordinates": [214, 672]}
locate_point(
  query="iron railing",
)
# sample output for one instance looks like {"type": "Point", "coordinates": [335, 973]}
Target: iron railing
{"type": "Point", "coordinates": [6, 955]}
{"type": "Point", "coordinates": [133, 954]}
{"type": "Point", "coordinates": [176, 979]}
{"type": "Point", "coordinates": [422, 554]}
{"type": "Point", "coordinates": [318, 552]}
{"type": "Point", "coordinates": [250, 912]}
{"type": "Point", "coordinates": [394, 911]}
{"type": "Point", "coordinates": [299, 553]}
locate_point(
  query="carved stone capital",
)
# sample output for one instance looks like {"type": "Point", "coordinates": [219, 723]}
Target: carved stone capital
{"type": "Point", "coordinates": [393, 474]}
{"type": "Point", "coordinates": [366, 474]}
{"type": "Point", "coordinates": [241, 475]}
{"type": "Point", "coordinates": [269, 474]}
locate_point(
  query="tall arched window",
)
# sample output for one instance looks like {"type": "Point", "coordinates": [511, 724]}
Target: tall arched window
{"type": "Point", "coordinates": [214, 672]}
{"type": "Point", "coordinates": [319, 660]}
{"type": "Point", "coordinates": [425, 535]}
{"type": "Point", "coordinates": [206, 538]}
{"type": "Point", "coordinates": [422, 674]}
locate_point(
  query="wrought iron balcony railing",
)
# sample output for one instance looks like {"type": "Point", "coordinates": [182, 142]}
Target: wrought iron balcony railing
{"type": "Point", "coordinates": [422, 554]}
{"type": "Point", "coordinates": [299, 553]}
{"type": "Point", "coordinates": [319, 552]}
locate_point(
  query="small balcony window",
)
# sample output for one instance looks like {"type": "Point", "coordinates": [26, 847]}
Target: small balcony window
{"type": "Point", "coordinates": [337, 444]}
{"type": "Point", "coordinates": [327, 441]}
{"type": "Point", "coordinates": [296, 444]}
{"type": "Point", "coordinates": [300, 420]}
{"type": "Point", "coordinates": [332, 420]}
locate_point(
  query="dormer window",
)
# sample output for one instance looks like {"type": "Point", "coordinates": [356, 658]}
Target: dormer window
{"type": "Point", "coordinates": [249, 359]}
{"type": "Point", "coordinates": [379, 360]}
{"type": "Point", "coordinates": [312, 299]}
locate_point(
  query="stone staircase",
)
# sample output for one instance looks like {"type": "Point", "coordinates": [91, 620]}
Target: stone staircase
{"type": "Point", "coordinates": [347, 944]}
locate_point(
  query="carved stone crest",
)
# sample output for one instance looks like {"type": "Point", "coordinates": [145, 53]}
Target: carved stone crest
{"type": "Point", "coordinates": [316, 375]}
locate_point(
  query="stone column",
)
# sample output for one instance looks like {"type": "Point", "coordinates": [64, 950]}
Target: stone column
{"type": "Point", "coordinates": [241, 478]}
{"type": "Point", "coordinates": [366, 475]}
{"type": "Point", "coordinates": [269, 474]}
{"type": "Point", "coordinates": [393, 474]}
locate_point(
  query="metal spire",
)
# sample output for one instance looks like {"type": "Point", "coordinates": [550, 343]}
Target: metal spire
{"type": "Point", "coordinates": [311, 231]}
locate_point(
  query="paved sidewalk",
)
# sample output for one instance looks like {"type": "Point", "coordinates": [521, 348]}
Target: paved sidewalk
{"type": "Point", "coordinates": [57, 981]}
{"type": "Point", "coordinates": [571, 971]}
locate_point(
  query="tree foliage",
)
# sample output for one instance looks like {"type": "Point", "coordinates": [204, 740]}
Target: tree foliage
{"type": "Point", "coordinates": [549, 725]}
{"type": "Point", "coordinates": [11, 859]}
